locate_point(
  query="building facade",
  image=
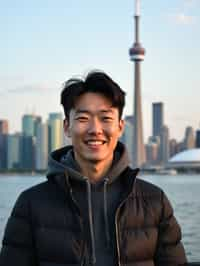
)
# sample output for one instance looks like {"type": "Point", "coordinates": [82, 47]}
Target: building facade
{"type": "Point", "coordinates": [41, 147]}
{"type": "Point", "coordinates": [13, 153]}
{"type": "Point", "coordinates": [157, 119]}
{"type": "Point", "coordinates": [56, 136]}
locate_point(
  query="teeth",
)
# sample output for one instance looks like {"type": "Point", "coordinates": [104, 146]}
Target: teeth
{"type": "Point", "coordinates": [95, 142]}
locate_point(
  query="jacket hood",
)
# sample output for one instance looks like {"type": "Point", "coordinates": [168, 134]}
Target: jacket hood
{"type": "Point", "coordinates": [61, 162]}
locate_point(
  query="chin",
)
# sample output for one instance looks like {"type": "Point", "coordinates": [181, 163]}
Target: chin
{"type": "Point", "coordinates": [95, 159]}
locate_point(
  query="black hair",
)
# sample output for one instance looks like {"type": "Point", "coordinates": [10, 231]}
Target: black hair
{"type": "Point", "coordinates": [95, 82]}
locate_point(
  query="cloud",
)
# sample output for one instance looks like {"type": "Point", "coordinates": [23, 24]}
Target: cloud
{"type": "Point", "coordinates": [183, 19]}
{"type": "Point", "coordinates": [31, 88]}
{"type": "Point", "coordinates": [9, 78]}
{"type": "Point", "coordinates": [183, 15]}
{"type": "Point", "coordinates": [190, 3]}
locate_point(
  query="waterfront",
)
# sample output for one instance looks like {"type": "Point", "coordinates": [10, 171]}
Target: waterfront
{"type": "Point", "coordinates": [182, 190]}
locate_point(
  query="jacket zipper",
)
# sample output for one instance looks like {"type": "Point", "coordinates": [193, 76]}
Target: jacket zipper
{"type": "Point", "coordinates": [116, 224]}
{"type": "Point", "coordinates": [81, 221]}
{"type": "Point", "coordinates": [117, 233]}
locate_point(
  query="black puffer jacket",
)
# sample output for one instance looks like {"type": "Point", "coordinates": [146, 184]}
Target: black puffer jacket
{"type": "Point", "coordinates": [46, 227]}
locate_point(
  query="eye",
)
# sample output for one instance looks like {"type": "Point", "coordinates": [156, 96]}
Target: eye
{"type": "Point", "coordinates": [82, 118]}
{"type": "Point", "coordinates": [107, 118]}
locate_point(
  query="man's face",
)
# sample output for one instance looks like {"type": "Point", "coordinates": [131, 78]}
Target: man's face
{"type": "Point", "coordinates": [94, 128]}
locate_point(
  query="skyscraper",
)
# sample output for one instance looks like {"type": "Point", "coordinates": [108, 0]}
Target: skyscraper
{"type": "Point", "coordinates": [189, 139]}
{"type": "Point", "coordinates": [173, 147]}
{"type": "Point", "coordinates": [164, 144]}
{"type": "Point", "coordinates": [3, 126]}
{"type": "Point", "coordinates": [13, 155]}
{"type": "Point", "coordinates": [29, 124]}
{"type": "Point", "coordinates": [137, 53]}
{"type": "Point", "coordinates": [158, 122]}
{"type": "Point", "coordinates": [198, 138]}
{"type": "Point", "coordinates": [3, 143]}
{"type": "Point", "coordinates": [127, 137]}
{"type": "Point", "coordinates": [41, 147]}
{"type": "Point", "coordinates": [55, 123]}
{"type": "Point", "coordinates": [27, 152]}
{"type": "Point", "coordinates": [152, 153]}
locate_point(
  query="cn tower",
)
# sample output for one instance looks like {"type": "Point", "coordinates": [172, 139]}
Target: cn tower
{"type": "Point", "coordinates": [137, 53]}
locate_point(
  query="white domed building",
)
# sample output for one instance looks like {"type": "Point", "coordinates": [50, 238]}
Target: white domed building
{"type": "Point", "coordinates": [188, 160]}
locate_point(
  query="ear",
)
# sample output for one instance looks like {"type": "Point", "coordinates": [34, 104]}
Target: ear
{"type": "Point", "coordinates": [66, 128]}
{"type": "Point", "coordinates": [121, 127]}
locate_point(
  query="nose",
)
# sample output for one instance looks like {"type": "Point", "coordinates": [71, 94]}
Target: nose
{"type": "Point", "coordinates": [95, 127]}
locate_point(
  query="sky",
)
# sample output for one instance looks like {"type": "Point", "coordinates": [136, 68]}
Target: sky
{"type": "Point", "coordinates": [44, 43]}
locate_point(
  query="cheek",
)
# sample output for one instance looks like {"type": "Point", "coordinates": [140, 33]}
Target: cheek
{"type": "Point", "coordinates": [113, 131]}
{"type": "Point", "coordinates": [77, 130]}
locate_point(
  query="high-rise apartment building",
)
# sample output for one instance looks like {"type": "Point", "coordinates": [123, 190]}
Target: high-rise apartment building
{"type": "Point", "coordinates": [158, 120]}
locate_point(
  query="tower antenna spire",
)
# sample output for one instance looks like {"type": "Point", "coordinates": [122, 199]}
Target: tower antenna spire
{"type": "Point", "coordinates": [137, 8]}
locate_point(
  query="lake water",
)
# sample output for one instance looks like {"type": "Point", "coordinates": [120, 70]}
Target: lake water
{"type": "Point", "coordinates": [182, 190]}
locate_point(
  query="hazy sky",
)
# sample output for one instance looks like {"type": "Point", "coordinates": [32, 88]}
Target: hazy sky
{"type": "Point", "coordinates": [43, 43]}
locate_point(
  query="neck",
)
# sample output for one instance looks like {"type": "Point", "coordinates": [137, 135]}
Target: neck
{"type": "Point", "coordinates": [95, 171]}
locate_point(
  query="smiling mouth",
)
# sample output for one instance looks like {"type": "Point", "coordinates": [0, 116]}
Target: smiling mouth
{"type": "Point", "coordinates": [95, 142]}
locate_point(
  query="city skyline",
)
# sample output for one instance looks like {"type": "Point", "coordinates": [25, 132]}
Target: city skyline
{"type": "Point", "coordinates": [29, 148]}
{"type": "Point", "coordinates": [43, 44]}
{"type": "Point", "coordinates": [129, 120]}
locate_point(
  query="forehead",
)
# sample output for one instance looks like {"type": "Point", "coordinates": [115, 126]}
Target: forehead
{"type": "Point", "coordinates": [94, 102]}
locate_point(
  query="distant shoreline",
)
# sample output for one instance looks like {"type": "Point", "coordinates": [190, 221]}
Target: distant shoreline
{"type": "Point", "coordinates": [22, 173]}
{"type": "Point", "coordinates": [141, 173]}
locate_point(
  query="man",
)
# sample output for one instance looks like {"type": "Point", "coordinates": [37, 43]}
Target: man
{"type": "Point", "coordinates": [92, 210]}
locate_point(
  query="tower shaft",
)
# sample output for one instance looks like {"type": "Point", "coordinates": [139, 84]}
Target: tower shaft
{"type": "Point", "coordinates": [139, 155]}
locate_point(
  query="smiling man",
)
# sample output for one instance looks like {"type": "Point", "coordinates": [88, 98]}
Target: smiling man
{"type": "Point", "coordinates": [95, 127]}
{"type": "Point", "coordinates": [92, 210]}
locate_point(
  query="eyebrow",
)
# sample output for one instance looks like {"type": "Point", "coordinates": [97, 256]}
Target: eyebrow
{"type": "Point", "coordinates": [85, 111]}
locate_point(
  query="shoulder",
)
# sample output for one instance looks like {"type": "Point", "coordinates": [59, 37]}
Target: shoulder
{"type": "Point", "coordinates": [39, 200]}
{"type": "Point", "coordinates": [41, 192]}
{"type": "Point", "coordinates": [35, 190]}
{"type": "Point", "coordinates": [141, 187]}
{"type": "Point", "coordinates": [26, 196]}
{"type": "Point", "coordinates": [146, 188]}
{"type": "Point", "coordinates": [154, 194]}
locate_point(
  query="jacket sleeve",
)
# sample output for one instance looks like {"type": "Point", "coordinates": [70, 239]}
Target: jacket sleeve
{"type": "Point", "coordinates": [170, 250]}
{"type": "Point", "coordinates": [17, 245]}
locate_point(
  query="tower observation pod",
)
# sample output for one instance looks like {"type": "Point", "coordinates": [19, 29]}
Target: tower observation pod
{"type": "Point", "coordinates": [137, 53]}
